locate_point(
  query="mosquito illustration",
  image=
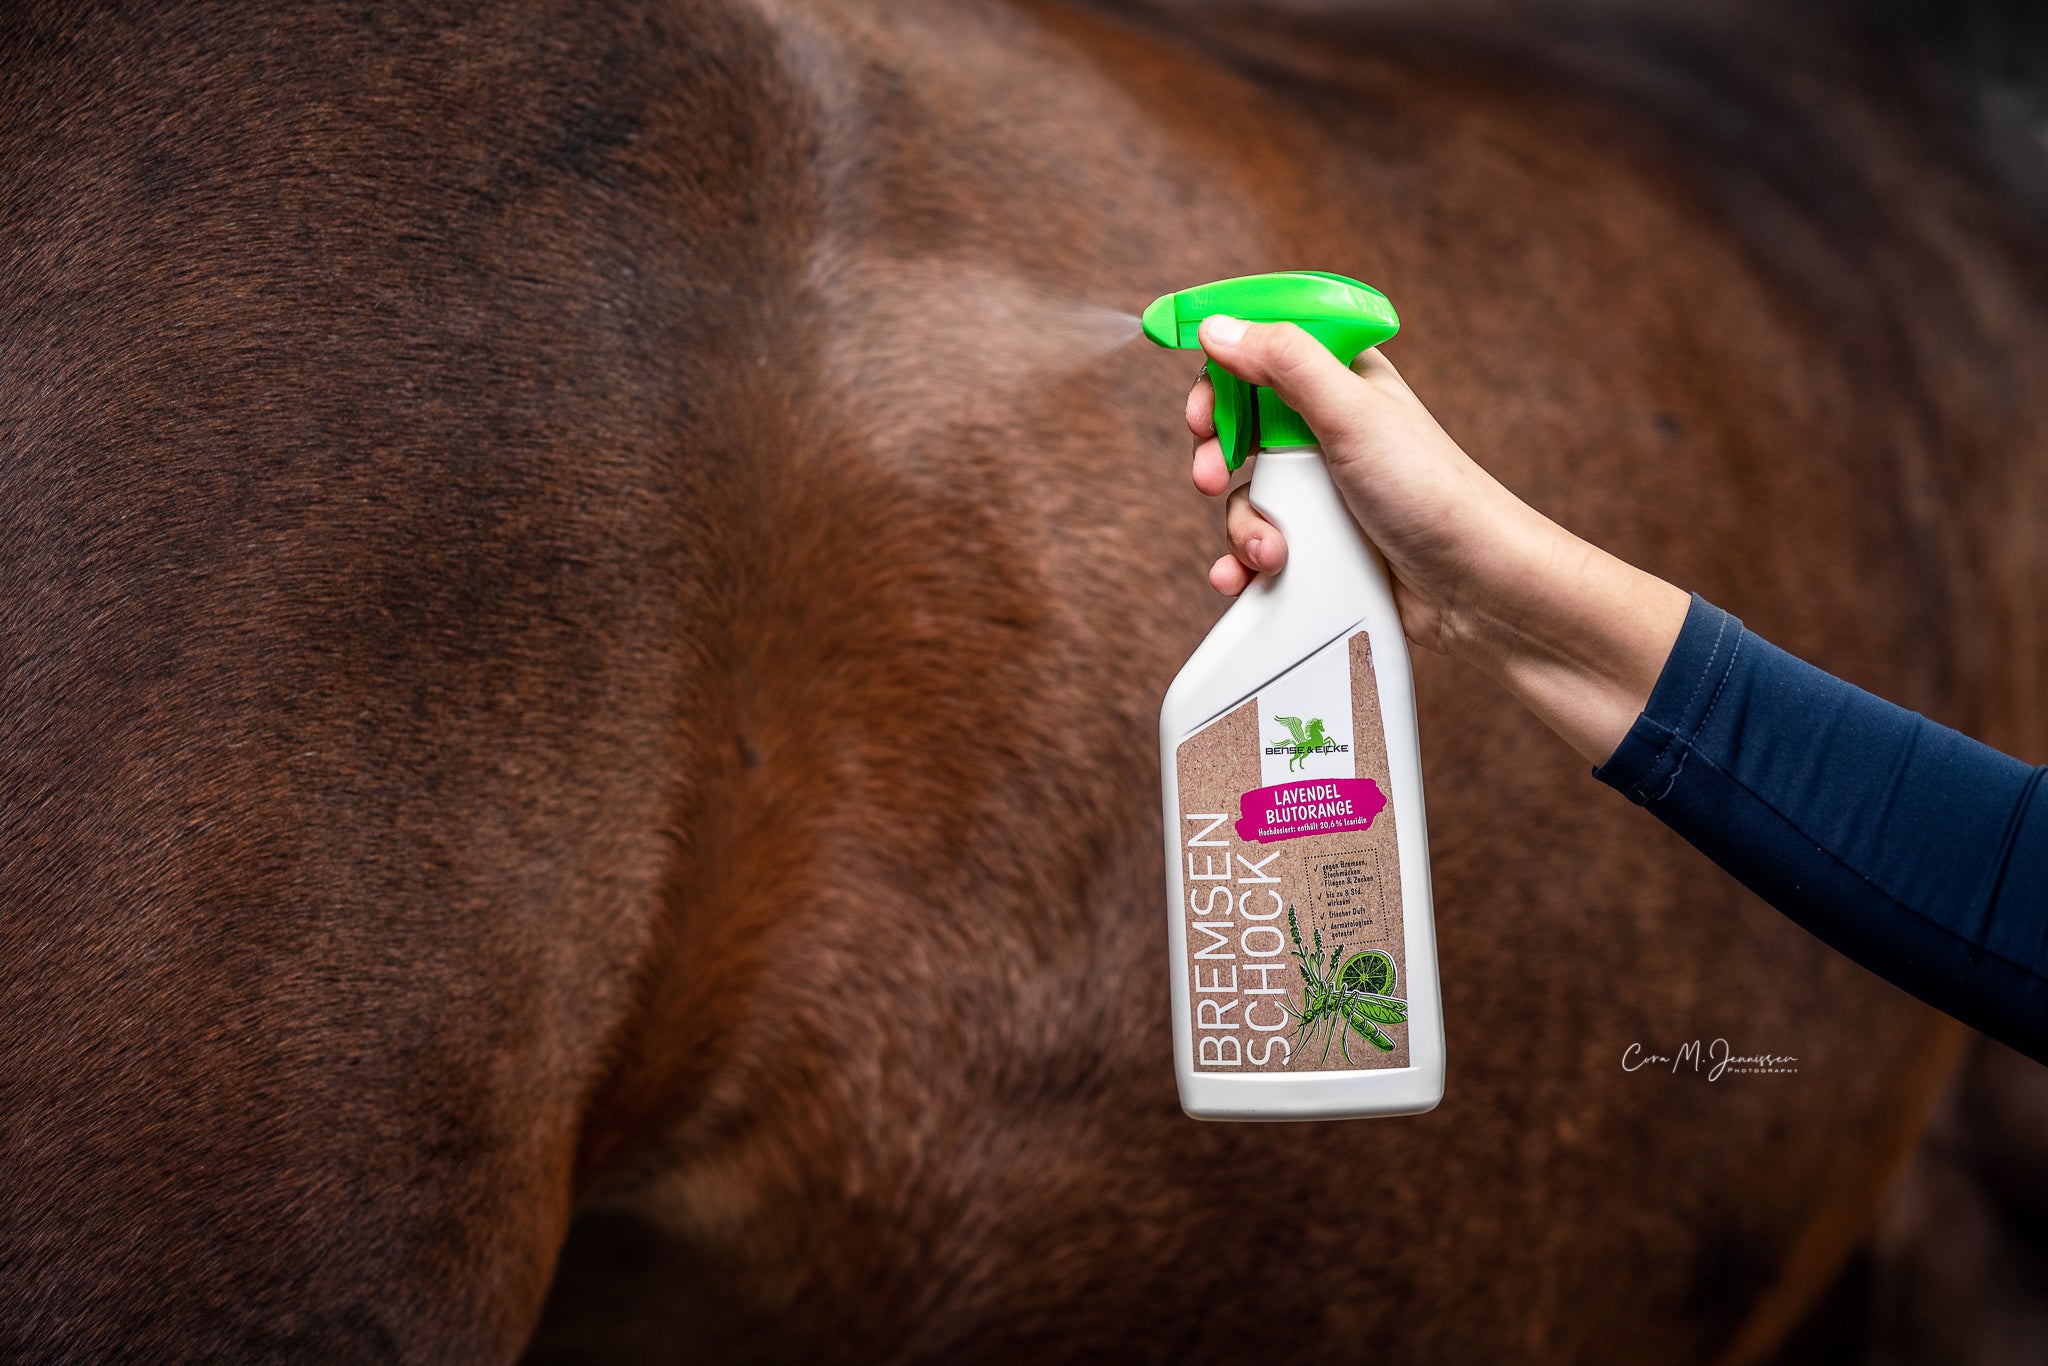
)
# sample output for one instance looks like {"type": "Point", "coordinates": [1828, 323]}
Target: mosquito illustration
{"type": "Point", "coordinates": [1344, 996]}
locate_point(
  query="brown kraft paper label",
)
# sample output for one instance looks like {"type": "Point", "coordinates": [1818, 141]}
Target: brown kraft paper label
{"type": "Point", "coordinates": [1292, 876]}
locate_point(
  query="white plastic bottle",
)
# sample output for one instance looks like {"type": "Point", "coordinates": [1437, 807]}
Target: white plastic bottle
{"type": "Point", "coordinates": [1303, 943]}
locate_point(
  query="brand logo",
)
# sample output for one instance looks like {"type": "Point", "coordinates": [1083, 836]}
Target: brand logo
{"type": "Point", "coordinates": [1303, 739]}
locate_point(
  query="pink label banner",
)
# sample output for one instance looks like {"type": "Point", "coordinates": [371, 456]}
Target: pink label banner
{"type": "Point", "coordinates": [1292, 811]}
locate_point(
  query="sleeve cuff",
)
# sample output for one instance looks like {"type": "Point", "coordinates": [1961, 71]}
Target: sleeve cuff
{"type": "Point", "coordinates": [1649, 756]}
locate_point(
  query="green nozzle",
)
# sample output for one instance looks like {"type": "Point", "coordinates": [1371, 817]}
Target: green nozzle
{"type": "Point", "coordinates": [1345, 315]}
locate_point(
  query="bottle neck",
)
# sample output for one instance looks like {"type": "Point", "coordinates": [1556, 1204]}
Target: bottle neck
{"type": "Point", "coordinates": [1279, 425]}
{"type": "Point", "coordinates": [1292, 488]}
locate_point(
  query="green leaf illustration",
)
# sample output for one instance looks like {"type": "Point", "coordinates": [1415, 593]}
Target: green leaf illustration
{"type": "Point", "coordinates": [1386, 1012]}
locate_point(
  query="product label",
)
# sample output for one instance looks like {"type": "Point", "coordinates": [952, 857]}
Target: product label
{"type": "Point", "coordinates": [1292, 878]}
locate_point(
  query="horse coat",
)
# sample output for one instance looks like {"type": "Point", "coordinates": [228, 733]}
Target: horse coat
{"type": "Point", "coordinates": [579, 639]}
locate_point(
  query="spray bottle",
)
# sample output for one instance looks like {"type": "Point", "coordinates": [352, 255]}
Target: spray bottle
{"type": "Point", "coordinates": [1297, 863]}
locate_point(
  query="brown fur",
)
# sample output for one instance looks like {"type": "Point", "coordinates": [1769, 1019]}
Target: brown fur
{"type": "Point", "coordinates": [569, 642]}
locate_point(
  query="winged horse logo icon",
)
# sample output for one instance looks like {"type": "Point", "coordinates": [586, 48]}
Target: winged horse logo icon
{"type": "Point", "coordinates": [1307, 738]}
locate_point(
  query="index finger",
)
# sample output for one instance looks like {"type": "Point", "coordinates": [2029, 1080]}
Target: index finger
{"type": "Point", "coordinates": [1202, 407]}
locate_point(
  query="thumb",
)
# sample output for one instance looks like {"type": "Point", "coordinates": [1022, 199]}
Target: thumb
{"type": "Point", "coordinates": [1287, 360]}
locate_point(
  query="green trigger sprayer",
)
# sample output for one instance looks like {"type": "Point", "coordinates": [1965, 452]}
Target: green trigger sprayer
{"type": "Point", "coordinates": [1301, 925]}
{"type": "Point", "coordinates": [1345, 315]}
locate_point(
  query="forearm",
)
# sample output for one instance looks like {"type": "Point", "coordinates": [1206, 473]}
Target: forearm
{"type": "Point", "coordinates": [1576, 635]}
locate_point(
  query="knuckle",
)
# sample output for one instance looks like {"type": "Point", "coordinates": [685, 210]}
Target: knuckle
{"type": "Point", "coordinates": [1293, 354]}
{"type": "Point", "coordinates": [1291, 344]}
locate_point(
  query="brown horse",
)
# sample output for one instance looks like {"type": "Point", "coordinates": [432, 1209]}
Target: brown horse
{"type": "Point", "coordinates": [580, 621]}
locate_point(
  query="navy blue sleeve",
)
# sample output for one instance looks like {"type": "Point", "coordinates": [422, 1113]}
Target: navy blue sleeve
{"type": "Point", "coordinates": [1915, 850]}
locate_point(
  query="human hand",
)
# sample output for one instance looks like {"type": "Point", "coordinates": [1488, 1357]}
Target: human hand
{"type": "Point", "coordinates": [1575, 633]}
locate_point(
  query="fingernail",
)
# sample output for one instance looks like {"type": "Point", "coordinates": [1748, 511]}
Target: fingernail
{"type": "Point", "coordinates": [1255, 551]}
{"type": "Point", "coordinates": [1221, 327]}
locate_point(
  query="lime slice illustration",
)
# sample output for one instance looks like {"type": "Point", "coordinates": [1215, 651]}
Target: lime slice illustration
{"type": "Point", "coordinates": [1368, 970]}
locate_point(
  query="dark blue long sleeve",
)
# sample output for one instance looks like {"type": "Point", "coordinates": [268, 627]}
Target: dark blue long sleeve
{"type": "Point", "coordinates": [1917, 851]}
